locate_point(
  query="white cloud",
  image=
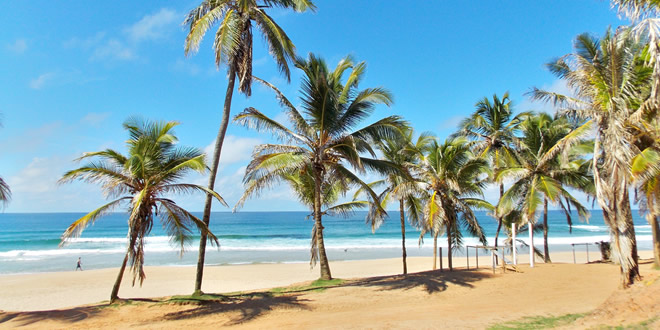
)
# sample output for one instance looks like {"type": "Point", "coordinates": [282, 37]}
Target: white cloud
{"type": "Point", "coordinates": [113, 49]}
{"type": "Point", "coordinates": [94, 118]}
{"type": "Point", "coordinates": [152, 27]}
{"type": "Point", "coordinates": [86, 43]}
{"type": "Point", "coordinates": [40, 81]}
{"type": "Point", "coordinates": [234, 149]}
{"type": "Point", "coordinates": [18, 47]}
{"type": "Point", "coordinates": [187, 67]}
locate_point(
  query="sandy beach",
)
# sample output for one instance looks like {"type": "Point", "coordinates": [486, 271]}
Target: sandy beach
{"type": "Point", "coordinates": [375, 297]}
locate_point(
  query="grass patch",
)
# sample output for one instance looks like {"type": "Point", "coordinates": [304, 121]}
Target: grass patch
{"type": "Point", "coordinates": [538, 322]}
{"type": "Point", "coordinates": [316, 286]}
{"type": "Point", "coordinates": [646, 324]}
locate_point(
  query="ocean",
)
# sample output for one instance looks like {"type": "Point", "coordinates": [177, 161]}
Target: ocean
{"type": "Point", "coordinates": [29, 241]}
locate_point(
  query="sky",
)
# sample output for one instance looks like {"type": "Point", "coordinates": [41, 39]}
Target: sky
{"type": "Point", "coordinates": [74, 71]}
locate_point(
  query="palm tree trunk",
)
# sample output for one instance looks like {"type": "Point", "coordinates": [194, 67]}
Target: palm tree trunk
{"type": "Point", "coordinates": [624, 243]}
{"type": "Point", "coordinates": [115, 289]}
{"type": "Point", "coordinates": [323, 259]}
{"type": "Point", "coordinates": [499, 220]}
{"type": "Point", "coordinates": [214, 171]}
{"type": "Point", "coordinates": [435, 250]}
{"type": "Point", "coordinates": [449, 248]}
{"type": "Point", "coordinates": [655, 230]}
{"type": "Point", "coordinates": [546, 253]}
{"type": "Point", "coordinates": [403, 236]}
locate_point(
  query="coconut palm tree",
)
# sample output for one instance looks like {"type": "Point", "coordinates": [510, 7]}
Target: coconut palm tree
{"type": "Point", "coordinates": [646, 173]}
{"type": "Point", "coordinates": [322, 136]}
{"type": "Point", "coordinates": [542, 175]}
{"type": "Point", "coordinates": [143, 180]}
{"type": "Point", "coordinates": [451, 175]}
{"type": "Point", "coordinates": [609, 82]}
{"type": "Point", "coordinates": [402, 152]}
{"type": "Point", "coordinates": [492, 128]}
{"type": "Point", "coordinates": [233, 47]}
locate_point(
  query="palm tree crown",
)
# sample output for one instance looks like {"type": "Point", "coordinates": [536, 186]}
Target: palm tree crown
{"type": "Point", "coordinates": [322, 138]}
{"type": "Point", "coordinates": [143, 180]}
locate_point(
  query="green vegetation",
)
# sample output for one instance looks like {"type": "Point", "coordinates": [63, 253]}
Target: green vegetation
{"type": "Point", "coordinates": [152, 168]}
{"type": "Point", "coordinates": [317, 286]}
{"type": "Point", "coordinates": [233, 47]}
{"type": "Point", "coordinates": [322, 139]}
{"type": "Point", "coordinates": [539, 322]}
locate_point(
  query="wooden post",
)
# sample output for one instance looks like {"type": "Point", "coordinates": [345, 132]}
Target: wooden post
{"type": "Point", "coordinates": [467, 256]}
{"type": "Point", "coordinates": [573, 245]}
{"type": "Point", "coordinates": [476, 252]}
{"type": "Point", "coordinates": [440, 255]}
{"type": "Point", "coordinates": [503, 262]}
{"type": "Point", "coordinates": [492, 259]}
{"type": "Point", "coordinates": [513, 244]}
{"type": "Point", "coordinates": [587, 252]}
{"type": "Point", "coordinates": [530, 225]}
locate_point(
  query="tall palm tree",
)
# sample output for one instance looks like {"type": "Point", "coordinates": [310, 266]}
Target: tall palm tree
{"type": "Point", "coordinates": [233, 47]}
{"type": "Point", "coordinates": [451, 176]}
{"type": "Point", "coordinates": [322, 138]}
{"type": "Point", "coordinates": [492, 128]}
{"type": "Point", "coordinates": [609, 83]}
{"type": "Point", "coordinates": [542, 175]}
{"type": "Point", "coordinates": [143, 180]}
{"type": "Point", "coordinates": [401, 151]}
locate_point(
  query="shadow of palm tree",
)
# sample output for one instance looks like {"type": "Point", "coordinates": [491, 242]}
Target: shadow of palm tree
{"type": "Point", "coordinates": [65, 315]}
{"type": "Point", "coordinates": [432, 281]}
{"type": "Point", "coordinates": [250, 306]}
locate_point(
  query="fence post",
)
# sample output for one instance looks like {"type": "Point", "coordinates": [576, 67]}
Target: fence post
{"type": "Point", "coordinates": [467, 256]}
{"type": "Point", "coordinates": [587, 252]}
{"type": "Point", "coordinates": [573, 245]}
{"type": "Point", "coordinates": [440, 255]}
{"type": "Point", "coordinates": [513, 244]}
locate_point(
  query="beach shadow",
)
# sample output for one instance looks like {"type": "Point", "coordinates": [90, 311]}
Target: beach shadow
{"type": "Point", "coordinates": [431, 281]}
{"type": "Point", "coordinates": [250, 306]}
{"type": "Point", "coordinates": [64, 315]}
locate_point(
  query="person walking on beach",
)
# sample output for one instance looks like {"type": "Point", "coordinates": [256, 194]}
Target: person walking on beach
{"type": "Point", "coordinates": [79, 266]}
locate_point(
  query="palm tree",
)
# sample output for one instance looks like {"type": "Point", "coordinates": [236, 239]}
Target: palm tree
{"type": "Point", "coordinates": [233, 47]}
{"type": "Point", "coordinates": [401, 152]}
{"type": "Point", "coordinates": [492, 128]}
{"type": "Point", "coordinates": [5, 192]}
{"type": "Point", "coordinates": [608, 81]}
{"type": "Point", "coordinates": [542, 174]}
{"type": "Point", "coordinates": [143, 180]}
{"type": "Point", "coordinates": [646, 173]}
{"type": "Point", "coordinates": [451, 176]}
{"type": "Point", "coordinates": [322, 138]}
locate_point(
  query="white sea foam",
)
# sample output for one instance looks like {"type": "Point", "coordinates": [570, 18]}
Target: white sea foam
{"type": "Point", "coordinates": [592, 228]}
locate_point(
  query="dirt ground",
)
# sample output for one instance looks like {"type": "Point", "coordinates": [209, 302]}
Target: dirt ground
{"type": "Point", "coordinates": [432, 299]}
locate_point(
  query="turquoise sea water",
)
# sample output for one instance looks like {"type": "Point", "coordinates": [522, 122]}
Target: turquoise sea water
{"type": "Point", "coordinates": [29, 242]}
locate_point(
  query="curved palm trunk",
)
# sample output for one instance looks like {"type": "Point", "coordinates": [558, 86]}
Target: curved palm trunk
{"type": "Point", "coordinates": [546, 252]}
{"type": "Point", "coordinates": [435, 250]}
{"type": "Point", "coordinates": [653, 221]}
{"type": "Point", "coordinates": [217, 150]}
{"type": "Point", "coordinates": [624, 243]}
{"type": "Point", "coordinates": [499, 220]}
{"type": "Point", "coordinates": [403, 236]}
{"type": "Point", "coordinates": [449, 247]}
{"type": "Point", "coordinates": [115, 289]}
{"type": "Point", "coordinates": [323, 259]}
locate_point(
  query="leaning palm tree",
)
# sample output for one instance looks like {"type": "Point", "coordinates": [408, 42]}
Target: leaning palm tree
{"type": "Point", "coordinates": [143, 181]}
{"type": "Point", "coordinates": [233, 47]}
{"type": "Point", "coordinates": [401, 151]}
{"type": "Point", "coordinates": [542, 175]}
{"type": "Point", "coordinates": [322, 139]}
{"type": "Point", "coordinates": [452, 175]}
{"type": "Point", "coordinates": [492, 128]}
{"type": "Point", "coordinates": [609, 83]}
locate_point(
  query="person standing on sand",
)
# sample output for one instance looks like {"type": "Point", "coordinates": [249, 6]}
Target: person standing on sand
{"type": "Point", "coordinates": [79, 266]}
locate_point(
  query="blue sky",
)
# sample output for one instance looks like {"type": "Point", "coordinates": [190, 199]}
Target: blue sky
{"type": "Point", "coordinates": [73, 71]}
